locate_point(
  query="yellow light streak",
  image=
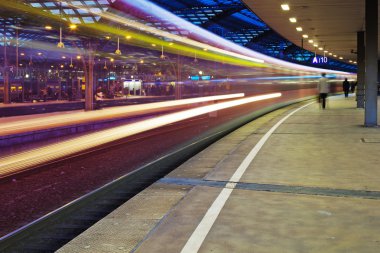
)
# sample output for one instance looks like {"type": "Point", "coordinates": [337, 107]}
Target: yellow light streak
{"type": "Point", "coordinates": [24, 160]}
{"type": "Point", "coordinates": [188, 48]}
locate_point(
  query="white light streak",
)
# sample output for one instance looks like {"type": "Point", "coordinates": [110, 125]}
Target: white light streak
{"type": "Point", "coordinates": [202, 35]}
{"type": "Point", "coordinates": [34, 123]}
{"type": "Point", "coordinates": [140, 26]}
{"type": "Point", "coordinates": [29, 159]}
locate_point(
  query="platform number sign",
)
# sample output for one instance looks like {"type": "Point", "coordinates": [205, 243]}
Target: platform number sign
{"type": "Point", "coordinates": [319, 60]}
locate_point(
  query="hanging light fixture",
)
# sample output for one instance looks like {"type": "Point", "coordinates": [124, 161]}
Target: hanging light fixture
{"type": "Point", "coordinates": [118, 52]}
{"type": "Point", "coordinates": [162, 53]}
{"type": "Point", "coordinates": [195, 58]}
{"type": "Point", "coordinates": [105, 65]}
{"type": "Point", "coordinates": [71, 62]}
{"type": "Point", "coordinates": [60, 43]}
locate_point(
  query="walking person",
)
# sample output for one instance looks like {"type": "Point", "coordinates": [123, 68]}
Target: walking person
{"type": "Point", "coordinates": [323, 88]}
{"type": "Point", "coordinates": [353, 85]}
{"type": "Point", "coordinates": [346, 87]}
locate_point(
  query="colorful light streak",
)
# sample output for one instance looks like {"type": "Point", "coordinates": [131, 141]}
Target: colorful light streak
{"type": "Point", "coordinates": [70, 118]}
{"type": "Point", "coordinates": [204, 35]}
{"type": "Point", "coordinates": [231, 53]}
{"type": "Point", "coordinates": [144, 40]}
{"type": "Point", "coordinates": [29, 159]}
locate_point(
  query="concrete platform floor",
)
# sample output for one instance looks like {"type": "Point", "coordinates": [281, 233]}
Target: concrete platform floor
{"type": "Point", "coordinates": [313, 187]}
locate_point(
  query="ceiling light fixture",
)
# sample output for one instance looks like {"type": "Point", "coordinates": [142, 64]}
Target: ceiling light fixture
{"type": "Point", "coordinates": [162, 52]}
{"type": "Point", "coordinates": [299, 29]}
{"type": "Point", "coordinates": [293, 20]}
{"type": "Point", "coordinates": [305, 36]}
{"type": "Point", "coordinates": [285, 7]}
{"type": "Point", "coordinates": [60, 43]}
{"type": "Point", "coordinates": [311, 41]}
{"type": "Point", "coordinates": [118, 52]}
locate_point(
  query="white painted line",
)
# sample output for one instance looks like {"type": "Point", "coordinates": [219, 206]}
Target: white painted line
{"type": "Point", "coordinates": [196, 239]}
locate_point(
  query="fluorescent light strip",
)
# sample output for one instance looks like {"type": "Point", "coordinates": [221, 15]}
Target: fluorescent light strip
{"type": "Point", "coordinates": [28, 159]}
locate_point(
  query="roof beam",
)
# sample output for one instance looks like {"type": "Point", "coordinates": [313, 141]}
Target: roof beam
{"type": "Point", "coordinates": [262, 36]}
{"type": "Point", "coordinates": [226, 13]}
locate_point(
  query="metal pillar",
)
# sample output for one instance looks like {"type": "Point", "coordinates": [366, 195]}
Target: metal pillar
{"type": "Point", "coordinates": [361, 70]}
{"type": "Point", "coordinates": [371, 17]}
{"type": "Point", "coordinates": [89, 96]}
{"type": "Point", "coordinates": [178, 85]}
{"type": "Point", "coordinates": [7, 88]}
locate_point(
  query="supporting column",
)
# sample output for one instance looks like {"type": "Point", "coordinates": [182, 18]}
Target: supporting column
{"type": "Point", "coordinates": [89, 95]}
{"type": "Point", "coordinates": [361, 70]}
{"type": "Point", "coordinates": [7, 88]}
{"type": "Point", "coordinates": [371, 17]}
{"type": "Point", "coordinates": [178, 85]}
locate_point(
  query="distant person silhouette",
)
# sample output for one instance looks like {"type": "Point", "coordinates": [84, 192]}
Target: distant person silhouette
{"type": "Point", "coordinates": [346, 87]}
{"type": "Point", "coordinates": [353, 86]}
{"type": "Point", "coordinates": [324, 89]}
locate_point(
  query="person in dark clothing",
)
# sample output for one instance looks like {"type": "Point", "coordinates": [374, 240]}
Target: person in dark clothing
{"type": "Point", "coordinates": [98, 98]}
{"type": "Point", "coordinates": [346, 87]}
{"type": "Point", "coordinates": [353, 86]}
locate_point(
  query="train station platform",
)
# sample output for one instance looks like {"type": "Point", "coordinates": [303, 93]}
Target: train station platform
{"type": "Point", "coordinates": [299, 179]}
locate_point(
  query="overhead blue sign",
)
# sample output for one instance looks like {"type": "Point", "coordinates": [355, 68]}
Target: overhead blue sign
{"type": "Point", "coordinates": [319, 60]}
{"type": "Point", "coordinates": [194, 78]}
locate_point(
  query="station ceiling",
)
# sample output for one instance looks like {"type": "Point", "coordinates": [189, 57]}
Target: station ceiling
{"type": "Point", "coordinates": [231, 19]}
{"type": "Point", "coordinates": [333, 25]}
{"type": "Point", "coordinates": [238, 21]}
